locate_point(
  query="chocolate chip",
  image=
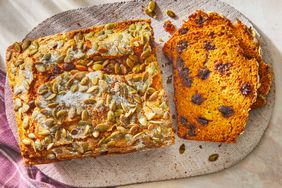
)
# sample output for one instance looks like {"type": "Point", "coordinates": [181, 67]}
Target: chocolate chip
{"type": "Point", "coordinates": [191, 131]}
{"type": "Point", "coordinates": [211, 34]}
{"type": "Point", "coordinates": [57, 70]}
{"type": "Point", "coordinates": [202, 120]}
{"type": "Point", "coordinates": [181, 45]}
{"type": "Point", "coordinates": [197, 99]}
{"type": "Point", "coordinates": [183, 121]}
{"type": "Point", "coordinates": [246, 89]}
{"type": "Point", "coordinates": [209, 46]}
{"type": "Point", "coordinates": [31, 105]}
{"type": "Point", "coordinates": [222, 68]}
{"type": "Point", "coordinates": [226, 111]}
{"type": "Point", "coordinates": [183, 31]}
{"type": "Point", "coordinates": [184, 75]}
{"type": "Point", "coordinates": [68, 67]}
{"type": "Point", "coordinates": [200, 20]}
{"type": "Point", "coordinates": [203, 73]}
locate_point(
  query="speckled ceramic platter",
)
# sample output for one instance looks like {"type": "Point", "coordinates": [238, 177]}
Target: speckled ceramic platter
{"type": "Point", "coordinates": [158, 164]}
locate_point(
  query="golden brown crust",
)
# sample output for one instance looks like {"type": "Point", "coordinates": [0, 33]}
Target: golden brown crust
{"type": "Point", "coordinates": [89, 92]}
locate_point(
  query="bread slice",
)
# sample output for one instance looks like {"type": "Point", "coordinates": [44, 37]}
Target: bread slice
{"type": "Point", "coordinates": [247, 37]}
{"type": "Point", "coordinates": [89, 92]}
{"type": "Point", "coordinates": [215, 85]}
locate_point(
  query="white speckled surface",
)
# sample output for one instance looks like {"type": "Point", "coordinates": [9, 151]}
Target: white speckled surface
{"type": "Point", "coordinates": [263, 168]}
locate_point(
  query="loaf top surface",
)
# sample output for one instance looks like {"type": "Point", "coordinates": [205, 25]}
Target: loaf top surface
{"type": "Point", "coordinates": [215, 85]}
{"type": "Point", "coordinates": [89, 92]}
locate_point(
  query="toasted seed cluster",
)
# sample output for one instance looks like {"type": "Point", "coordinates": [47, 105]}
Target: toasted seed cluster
{"type": "Point", "coordinates": [89, 92]}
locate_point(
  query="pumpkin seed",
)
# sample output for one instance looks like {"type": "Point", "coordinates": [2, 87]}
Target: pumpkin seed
{"type": "Point", "coordinates": [170, 13]}
{"type": "Point", "coordinates": [18, 47]}
{"type": "Point", "coordinates": [89, 101]}
{"type": "Point", "coordinates": [108, 100]}
{"type": "Point", "coordinates": [78, 36]}
{"type": "Point", "coordinates": [132, 27]}
{"type": "Point", "coordinates": [97, 67]}
{"type": "Point", "coordinates": [95, 81]}
{"type": "Point", "coordinates": [74, 88]}
{"type": "Point", "coordinates": [18, 103]}
{"type": "Point", "coordinates": [134, 129]}
{"type": "Point", "coordinates": [69, 83]}
{"type": "Point", "coordinates": [91, 89]}
{"type": "Point", "coordinates": [105, 63]}
{"type": "Point", "coordinates": [213, 157]}
{"type": "Point", "coordinates": [138, 99]}
{"type": "Point", "coordinates": [42, 90]}
{"type": "Point", "coordinates": [51, 156]}
{"type": "Point", "coordinates": [136, 68]}
{"type": "Point", "coordinates": [146, 53]}
{"type": "Point", "coordinates": [103, 85]}
{"type": "Point", "coordinates": [8, 56]}
{"type": "Point", "coordinates": [33, 51]}
{"type": "Point", "coordinates": [63, 92]}
{"type": "Point", "coordinates": [37, 145]}
{"type": "Point", "coordinates": [111, 143]}
{"type": "Point", "coordinates": [26, 141]}
{"type": "Point", "coordinates": [25, 108]}
{"type": "Point", "coordinates": [112, 105]}
{"type": "Point", "coordinates": [84, 115]}
{"type": "Point", "coordinates": [110, 116]}
{"type": "Point", "coordinates": [123, 69]}
{"type": "Point", "coordinates": [89, 35]}
{"type": "Point", "coordinates": [117, 68]}
{"type": "Point", "coordinates": [121, 129]}
{"type": "Point", "coordinates": [156, 122]}
{"type": "Point", "coordinates": [46, 57]}
{"type": "Point", "coordinates": [83, 88]}
{"type": "Point", "coordinates": [96, 134]}
{"type": "Point", "coordinates": [49, 122]}
{"type": "Point", "coordinates": [118, 112]}
{"type": "Point", "coordinates": [149, 13]}
{"type": "Point", "coordinates": [109, 31]}
{"type": "Point", "coordinates": [18, 63]}
{"type": "Point", "coordinates": [79, 75]}
{"type": "Point", "coordinates": [50, 97]}
{"type": "Point", "coordinates": [50, 146]}
{"type": "Point", "coordinates": [35, 44]}
{"type": "Point", "coordinates": [129, 62]}
{"type": "Point", "coordinates": [79, 44]}
{"type": "Point", "coordinates": [154, 96]}
{"type": "Point", "coordinates": [124, 107]}
{"type": "Point", "coordinates": [151, 6]}
{"type": "Point", "coordinates": [81, 67]}
{"type": "Point", "coordinates": [133, 58]}
{"type": "Point", "coordinates": [95, 45]}
{"type": "Point", "coordinates": [64, 133]}
{"type": "Point", "coordinates": [25, 122]}
{"type": "Point", "coordinates": [142, 120]}
{"type": "Point", "coordinates": [43, 132]}
{"type": "Point", "coordinates": [86, 130]}
{"type": "Point", "coordinates": [62, 113]}
{"type": "Point", "coordinates": [102, 127]}
{"type": "Point", "coordinates": [31, 136]}
{"type": "Point", "coordinates": [60, 59]}
{"type": "Point", "coordinates": [110, 25]}
{"type": "Point", "coordinates": [54, 87]}
{"type": "Point", "coordinates": [40, 67]}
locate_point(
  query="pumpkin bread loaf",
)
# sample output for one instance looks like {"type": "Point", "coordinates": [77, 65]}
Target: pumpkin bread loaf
{"type": "Point", "coordinates": [89, 92]}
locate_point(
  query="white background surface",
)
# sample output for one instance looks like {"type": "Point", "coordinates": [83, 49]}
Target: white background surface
{"type": "Point", "coordinates": [263, 167]}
